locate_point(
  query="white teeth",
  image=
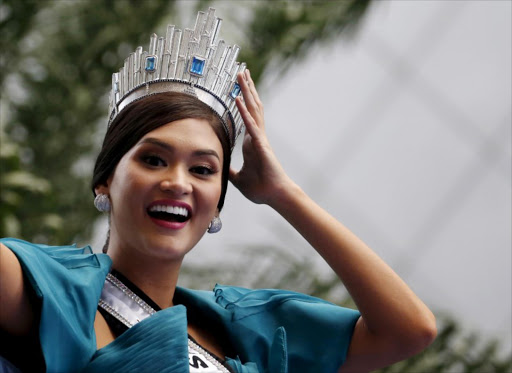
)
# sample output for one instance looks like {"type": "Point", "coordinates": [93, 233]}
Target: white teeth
{"type": "Point", "coordinates": [170, 209]}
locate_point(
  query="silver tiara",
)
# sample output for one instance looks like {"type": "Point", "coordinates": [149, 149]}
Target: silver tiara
{"type": "Point", "coordinates": [192, 61]}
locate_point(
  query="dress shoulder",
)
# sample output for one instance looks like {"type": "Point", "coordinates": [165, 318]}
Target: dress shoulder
{"type": "Point", "coordinates": [68, 280]}
{"type": "Point", "coordinates": [279, 330]}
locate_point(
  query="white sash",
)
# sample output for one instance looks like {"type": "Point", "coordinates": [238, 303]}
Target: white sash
{"type": "Point", "coordinates": [127, 307]}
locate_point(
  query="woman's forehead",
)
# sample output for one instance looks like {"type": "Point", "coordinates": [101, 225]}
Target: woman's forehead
{"type": "Point", "coordinates": [191, 132]}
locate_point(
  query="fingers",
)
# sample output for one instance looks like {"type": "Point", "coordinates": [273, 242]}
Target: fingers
{"type": "Point", "coordinates": [250, 124]}
{"type": "Point", "coordinates": [251, 97]}
{"type": "Point", "coordinates": [252, 88]}
{"type": "Point", "coordinates": [233, 176]}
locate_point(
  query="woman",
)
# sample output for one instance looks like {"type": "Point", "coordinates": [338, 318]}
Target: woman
{"type": "Point", "coordinates": [161, 177]}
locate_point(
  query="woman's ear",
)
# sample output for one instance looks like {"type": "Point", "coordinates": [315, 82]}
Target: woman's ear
{"type": "Point", "coordinates": [101, 189]}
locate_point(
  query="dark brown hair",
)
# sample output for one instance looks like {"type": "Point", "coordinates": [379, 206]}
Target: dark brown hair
{"type": "Point", "coordinates": [144, 116]}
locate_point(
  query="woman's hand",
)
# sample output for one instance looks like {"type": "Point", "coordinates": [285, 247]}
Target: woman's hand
{"type": "Point", "coordinates": [261, 178]}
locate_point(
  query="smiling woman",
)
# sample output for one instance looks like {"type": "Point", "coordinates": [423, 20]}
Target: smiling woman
{"type": "Point", "coordinates": [176, 167]}
{"type": "Point", "coordinates": [161, 176]}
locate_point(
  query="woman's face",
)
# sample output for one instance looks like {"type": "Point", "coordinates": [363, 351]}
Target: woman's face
{"type": "Point", "coordinates": [164, 191]}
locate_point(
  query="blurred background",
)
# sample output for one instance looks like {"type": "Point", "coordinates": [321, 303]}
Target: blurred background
{"type": "Point", "coordinates": [395, 116]}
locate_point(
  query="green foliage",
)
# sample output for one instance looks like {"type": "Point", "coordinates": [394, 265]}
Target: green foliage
{"type": "Point", "coordinates": [16, 185]}
{"type": "Point", "coordinates": [283, 31]}
{"type": "Point", "coordinates": [454, 350]}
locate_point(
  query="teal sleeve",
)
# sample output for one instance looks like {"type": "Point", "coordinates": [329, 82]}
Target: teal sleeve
{"type": "Point", "coordinates": [284, 331]}
{"type": "Point", "coordinates": [68, 280]}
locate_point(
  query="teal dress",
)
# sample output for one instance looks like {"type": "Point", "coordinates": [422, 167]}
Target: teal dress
{"type": "Point", "coordinates": [271, 331]}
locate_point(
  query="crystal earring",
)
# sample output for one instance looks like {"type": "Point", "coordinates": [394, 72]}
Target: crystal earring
{"type": "Point", "coordinates": [215, 225]}
{"type": "Point", "coordinates": [102, 202]}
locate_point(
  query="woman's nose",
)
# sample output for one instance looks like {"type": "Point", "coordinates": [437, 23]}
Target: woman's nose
{"type": "Point", "coordinates": [176, 180]}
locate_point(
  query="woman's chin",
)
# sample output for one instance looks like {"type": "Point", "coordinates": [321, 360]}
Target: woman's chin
{"type": "Point", "coordinates": [170, 248]}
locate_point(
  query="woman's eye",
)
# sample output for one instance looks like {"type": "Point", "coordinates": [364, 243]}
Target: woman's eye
{"type": "Point", "coordinates": [153, 160]}
{"type": "Point", "coordinates": [202, 170]}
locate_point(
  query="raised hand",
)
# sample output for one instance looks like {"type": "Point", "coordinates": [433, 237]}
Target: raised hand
{"type": "Point", "coordinates": [261, 178]}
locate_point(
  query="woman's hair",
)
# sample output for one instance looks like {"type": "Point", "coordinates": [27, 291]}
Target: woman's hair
{"type": "Point", "coordinates": [147, 114]}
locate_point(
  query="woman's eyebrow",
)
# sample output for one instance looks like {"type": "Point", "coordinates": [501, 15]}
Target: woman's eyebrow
{"type": "Point", "coordinates": [202, 152]}
{"type": "Point", "coordinates": [170, 148]}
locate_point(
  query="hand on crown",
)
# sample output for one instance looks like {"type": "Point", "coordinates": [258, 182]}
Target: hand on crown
{"type": "Point", "coordinates": [261, 179]}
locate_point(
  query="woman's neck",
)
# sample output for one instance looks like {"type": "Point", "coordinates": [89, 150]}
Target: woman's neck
{"type": "Point", "coordinates": [156, 278]}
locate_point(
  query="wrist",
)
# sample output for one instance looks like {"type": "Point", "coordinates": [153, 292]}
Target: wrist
{"type": "Point", "coordinates": [285, 195]}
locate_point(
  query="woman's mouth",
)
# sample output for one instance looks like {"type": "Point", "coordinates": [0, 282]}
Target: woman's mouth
{"type": "Point", "coordinates": [167, 215]}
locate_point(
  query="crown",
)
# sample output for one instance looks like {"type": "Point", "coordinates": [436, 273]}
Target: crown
{"type": "Point", "coordinates": [193, 61]}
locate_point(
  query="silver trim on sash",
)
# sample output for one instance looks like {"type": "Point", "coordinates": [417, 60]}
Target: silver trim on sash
{"type": "Point", "coordinates": [122, 303]}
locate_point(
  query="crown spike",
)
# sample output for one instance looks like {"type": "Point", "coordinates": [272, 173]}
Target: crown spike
{"type": "Point", "coordinates": [232, 58]}
{"type": "Point", "coordinates": [180, 67]}
{"type": "Point", "coordinates": [224, 62]}
{"type": "Point", "coordinates": [143, 57]}
{"type": "Point", "coordinates": [237, 118]}
{"type": "Point", "coordinates": [176, 43]}
{"type": "Point", "coordinates": [131, 71]}
{"type": "Point", "coordinates": [159, 54]}
{"type": "Point", "coordinates": [220, 73]}
{"type": "Point", "coordinates": [168, 39]}
{"type": "Point", "coordinates": [152, 43]}
{"type": "Point", "coordinates": [216, 29]}
{"type": "Point", "coordinates": [126, 86]}
{"type": "Point", "coordinates": [165, 66]}
{"type": "Point", "coordinates": [204, 43]}
{"type": "Point", "coordinates": [209, 24]}
{"type": "Point", "coordinates": [183, 54]}
{"type": "Point", "coordinates": [114, 94]}
{"type": "Point", "coordinates": [198, 28]}
{"type": "Point", "coordinates": [137, 68]}
{"type": "Point", "coordinates": [120, 82]}
{"type": "Point", "coordinates": [219, 53]}
{"type": "Point", "coordinates": [210, 77]}
{"type": "Point", "coordinates": [187, 36]}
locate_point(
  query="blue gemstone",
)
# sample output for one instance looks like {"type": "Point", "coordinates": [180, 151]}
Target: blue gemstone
{"type": "Point", "coordinates": [197, 66]}
{"type": "Point", "coordinates": [235, 91]}
{"type": "Point", "coordinates": [150, 63]}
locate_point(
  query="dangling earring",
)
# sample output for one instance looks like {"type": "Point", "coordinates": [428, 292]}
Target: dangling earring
{"type": "Point", "coordinates": [215, 225]}
{"type": "Point", "coordinates": [102, 202]}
